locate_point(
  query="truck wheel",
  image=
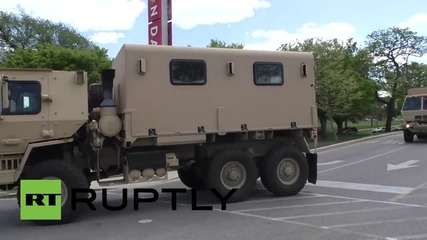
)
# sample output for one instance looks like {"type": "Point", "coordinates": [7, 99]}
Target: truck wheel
{"type": "Point", "coordinates": [72, 178]}
{"type": "Point", "coordinates": [96, 95]}
{"type": "Point", "coordinates": [284, 171]}
{"type": "Point", "coordinates": [408, 136]}
{"type": "Point", "coordinates": [230, 169]}
{"type": "Point", "coordinates": [190, 179]}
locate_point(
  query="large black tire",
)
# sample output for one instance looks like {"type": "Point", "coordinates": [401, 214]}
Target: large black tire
{"type": "Point", "coordinates": [191, 178]}
{"type": "Point", "coordinates": [408, 136]}
{"type": "Point", "coordinates": [280, 162]}
{"type": "Point", "coordinates": [96, 95]}
{"type": "Point", "coordinates": [72, 178]}
{"type": "Point", "coordinates": [238, 162]}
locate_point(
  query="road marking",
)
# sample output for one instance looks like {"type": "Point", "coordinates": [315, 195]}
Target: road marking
{"type": "Point", "coordinates": [287, 221]}
{"type": "Point", "coordinates": [363, 187]}
{"type": "Point", "coordinates": [295, 206]}
{"type": "Point", "coordinates": [145, 221]}
{"type": "Point", "coordinates": [419, 236]}
{"type": "Point", "coordinates": [407, 164]}
{"type": "Point", "coordinates": [299, 223]}
{"type": "Point", "coordinates": [398, 197]}
{"type": "Point", "coordinates": [272, 200]}
{"type": "Point", "coordinates": [363, 160]}
{"type": "Point", "coordinates": [371, 200]}
{"type": "Point", "coordinates": [7, 199]}
{"type": "Point", "coordinates": [330, 163]}
{"type": "Point", "coordinates": [340, 213]}
{"type": "Point", "coordinates": [376, 222]}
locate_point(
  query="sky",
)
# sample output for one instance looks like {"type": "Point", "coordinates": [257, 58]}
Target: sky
{"type": "Point", "coordinates": [258, 24]}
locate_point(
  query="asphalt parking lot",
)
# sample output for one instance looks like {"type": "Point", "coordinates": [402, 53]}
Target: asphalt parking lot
{"type": "Point", "coordinates": [375, 189]}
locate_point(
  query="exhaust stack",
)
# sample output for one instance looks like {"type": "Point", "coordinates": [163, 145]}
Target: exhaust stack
{"type": "Point", "coordinates": [109, 124]}
{"type": "Point", "coordinates": [107, 76]}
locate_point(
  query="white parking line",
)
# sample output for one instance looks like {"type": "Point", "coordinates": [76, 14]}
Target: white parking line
{"type": "Point", "coordinates": [301, 205]}
{"type": "Point", "coordinates": [363, 187]}
{"type": "Point", "coordinates": [7, 199]}
{"type": "Point", "coordinates": [274, 200]}
{"type": "Point", "coordinates": [376, 222]}
{"type": "Point", "coordinates": [363, 160]}
{"type": "Point", "coordinates": [419, 236]}
{"type": "Point", "coordinates": [300, 223]}
{"type": "Point", "coordinates": [238, 213]}
{"type": "Point", "coordinates": [371, 200]}
{"type": "Point", "coordinates": [340, 213]}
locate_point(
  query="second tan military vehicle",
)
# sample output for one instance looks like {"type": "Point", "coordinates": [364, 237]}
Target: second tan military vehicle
{"type": "Point", "coordinates": [222, 117]}
{"type": "Point", "coordinates": [414, 113]}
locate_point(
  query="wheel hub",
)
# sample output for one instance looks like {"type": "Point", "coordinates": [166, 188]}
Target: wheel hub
{"type": "Point", "coordinates": [233, 175]}
{"type": "Point", "coordinates": [288, 171]}
{"type": "Point", "coordinates": [64, 189]}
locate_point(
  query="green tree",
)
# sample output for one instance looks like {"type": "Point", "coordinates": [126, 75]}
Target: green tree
{"type": "Point", "coordinates": [60, 58]}
{"type": "Point", "coordinates": [221, 44]}
{"type": "Point", "coordinates": [27, 42]}
{"type": "Point", "coordinates": [342, 89]}
{"type": "Point", "coordinates": [24, 31]}
{"type": "Point", "coordinates": [393, 47]}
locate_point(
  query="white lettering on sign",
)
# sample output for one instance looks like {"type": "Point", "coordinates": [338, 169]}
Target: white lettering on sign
{"type": "Point", "coordinates": [154, 30]}
{"type": "Point", "coordinates": [152, 42]}
{"type": "Point", "coordinates": [154, 11]}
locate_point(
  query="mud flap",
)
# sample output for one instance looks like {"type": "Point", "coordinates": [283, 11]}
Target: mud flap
{"type": "Point", "coordinates": [312, 167]}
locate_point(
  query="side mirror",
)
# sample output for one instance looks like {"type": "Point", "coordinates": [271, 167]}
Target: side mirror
{"type": "Point", "coordinates": [4, 92]}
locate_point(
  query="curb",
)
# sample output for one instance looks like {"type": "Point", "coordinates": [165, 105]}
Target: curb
{"type": "Point", "coordinates": [320, 149]}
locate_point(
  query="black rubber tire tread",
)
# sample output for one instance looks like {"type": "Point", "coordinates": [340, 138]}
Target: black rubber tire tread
{"type": "Point", "coordinates": [190, 178]}
{"type": "Point", "coordinates": [268, 171]}
{"type": "Point", "coordinates": [213, 177]}
{"type": "Point", "coordinates": [73, 178]}
{"type": "Point", "coordinates": [408, 136]}
{"type": "Point", "coordinates": [96, 95]}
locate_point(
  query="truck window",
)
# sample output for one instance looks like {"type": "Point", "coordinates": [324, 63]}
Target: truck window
{"type": "Point", "coordinates": [268, 73]}
{"type": "Point", "coordinates": [24, 98]}
{"type": "Point", "coordinates": [412, 104]}
{"type": "Point", "coordinates": [424, 103]}
{"type": "Point", "coordinates": [187, 72]}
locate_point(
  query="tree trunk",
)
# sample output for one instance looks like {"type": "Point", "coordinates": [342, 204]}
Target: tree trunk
{"type": "Point", "coordinates": [346, 123]}
{"type": "Point", "coordinates": [339, 123]}
{"type": "Point", "coordinates": [390, 114]}
{"type": "Point", "coordinates": [331, 120]}
{"type": "Point", "coordinates": [323, 125]}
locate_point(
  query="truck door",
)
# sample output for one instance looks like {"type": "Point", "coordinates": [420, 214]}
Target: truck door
{"type": "Point", "coordinates": [25, 120]}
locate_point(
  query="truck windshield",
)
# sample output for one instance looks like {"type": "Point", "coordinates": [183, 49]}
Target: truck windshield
{"type": "Point", "coordinates": [412, 104]}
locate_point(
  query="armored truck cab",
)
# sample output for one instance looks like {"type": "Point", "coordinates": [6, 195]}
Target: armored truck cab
{"type": "Point", "coordinates": [221, 117]}
{"type": "Point", "coordinates": [414, 113]}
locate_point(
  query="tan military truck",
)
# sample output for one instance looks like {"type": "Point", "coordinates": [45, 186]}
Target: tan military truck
{"type": "Point", "coordinates": [222, 117]}
{"type": "Point", "coordinates": [414, 113]}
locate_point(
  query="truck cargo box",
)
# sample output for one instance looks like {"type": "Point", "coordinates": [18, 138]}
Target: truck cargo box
{"type": "Point", "coordinates": [187, 91]}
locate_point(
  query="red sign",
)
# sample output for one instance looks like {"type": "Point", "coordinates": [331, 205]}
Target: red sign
{"type": "Point", "coordinates": [157, 23]}
{"type": "Point", "coordinates": [154, 10]}
{"type": "Point", "coordinates": [155, 32]}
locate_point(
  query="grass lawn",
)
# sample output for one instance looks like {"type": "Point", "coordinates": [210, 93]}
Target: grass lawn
{"type": "Point", "coordinates": [365, 125]}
